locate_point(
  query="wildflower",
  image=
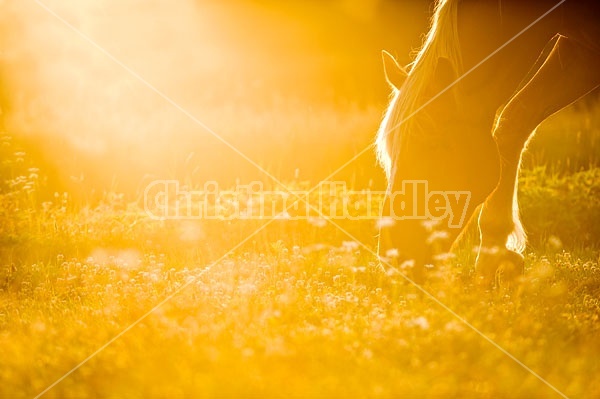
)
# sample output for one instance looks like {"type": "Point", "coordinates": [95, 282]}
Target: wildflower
{"type": "Point", "coordinates": [439, 235]}
{"type": "Point", "coordinates": [392, 253]}
{"type": "Point", "coordinates": [349, 246]}
{"type": "Point", "coordinates": [421, 322]}
{"type": "Point", "coordinates": [385, 222]}
{"type": "Point", "coordinates": [555, 242]}
{"type": "Point", "coordinates": [317, 222]}
{"type": "Point", "coordinates": [408, 264]}
{"type": "Point", "coordinates": [283, 216]}
{"type": "Point", "coordinates": [430, 224]}
{"type": "Point", "coordinates": [444, 256]}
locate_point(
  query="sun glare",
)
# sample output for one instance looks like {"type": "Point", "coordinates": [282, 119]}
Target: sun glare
{"type": "Point", "coordinates": [191, 205]}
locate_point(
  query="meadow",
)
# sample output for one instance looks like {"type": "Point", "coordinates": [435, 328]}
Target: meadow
{"type": "Point", "coordinates": [292, 308]}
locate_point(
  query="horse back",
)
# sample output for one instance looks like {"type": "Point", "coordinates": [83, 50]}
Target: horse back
{"type": "Point", "coordinates": [581, 22]}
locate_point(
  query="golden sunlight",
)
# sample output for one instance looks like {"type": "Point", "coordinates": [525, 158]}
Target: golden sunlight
{"type": "Point", "coordinates": [193, 203]}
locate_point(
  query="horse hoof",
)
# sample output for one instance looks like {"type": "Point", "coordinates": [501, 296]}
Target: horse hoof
{"type": "Point", "coordinates": [502, 268]}
{"type": "Point", "coordinates": [511, 268]}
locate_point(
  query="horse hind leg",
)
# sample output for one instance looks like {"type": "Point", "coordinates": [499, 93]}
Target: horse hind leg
{"type": "Point", "coordinates": [569, 72]}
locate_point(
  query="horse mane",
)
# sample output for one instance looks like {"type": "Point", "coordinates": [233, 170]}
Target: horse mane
{"type": "Point", "coordinates": [440, 41]}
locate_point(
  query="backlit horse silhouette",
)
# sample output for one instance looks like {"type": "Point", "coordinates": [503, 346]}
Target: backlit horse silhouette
{"type": "Point", "coordinates": [489, 72]}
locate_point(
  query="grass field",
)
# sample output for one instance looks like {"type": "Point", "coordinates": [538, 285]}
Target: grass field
{"type": "Point", "coordinates": [208, 308]}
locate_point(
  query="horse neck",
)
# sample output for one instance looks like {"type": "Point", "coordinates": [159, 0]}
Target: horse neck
{"type": "Point", "coordinates": [482, 31]}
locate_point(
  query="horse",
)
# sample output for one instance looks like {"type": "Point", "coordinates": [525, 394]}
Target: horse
{"type": "Point", "coordinates": [461, 115]}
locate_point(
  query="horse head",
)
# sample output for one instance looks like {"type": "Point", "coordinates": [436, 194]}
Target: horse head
{"type": "Point", "coordinates": [440, 159]}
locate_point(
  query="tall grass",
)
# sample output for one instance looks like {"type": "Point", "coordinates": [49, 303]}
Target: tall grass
{"type": "Point", "coordinates": [299, 309]}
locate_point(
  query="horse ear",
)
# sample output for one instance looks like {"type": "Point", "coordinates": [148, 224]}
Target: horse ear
{"type": "Point", "coordinates": [394, 73]}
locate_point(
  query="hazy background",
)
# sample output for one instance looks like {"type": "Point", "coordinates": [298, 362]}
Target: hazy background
{"type": "Point", "coordinates": [295, 85]}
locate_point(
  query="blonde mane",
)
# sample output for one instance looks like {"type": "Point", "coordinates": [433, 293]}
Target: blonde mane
{"type": "Point", "coordinates": [440, 41]}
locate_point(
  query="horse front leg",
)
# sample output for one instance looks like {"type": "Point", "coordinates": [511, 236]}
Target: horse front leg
{"type": "Point", "coordinates": [501, 235]}
{"type": "Point", "coordinates": [569, 72]}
